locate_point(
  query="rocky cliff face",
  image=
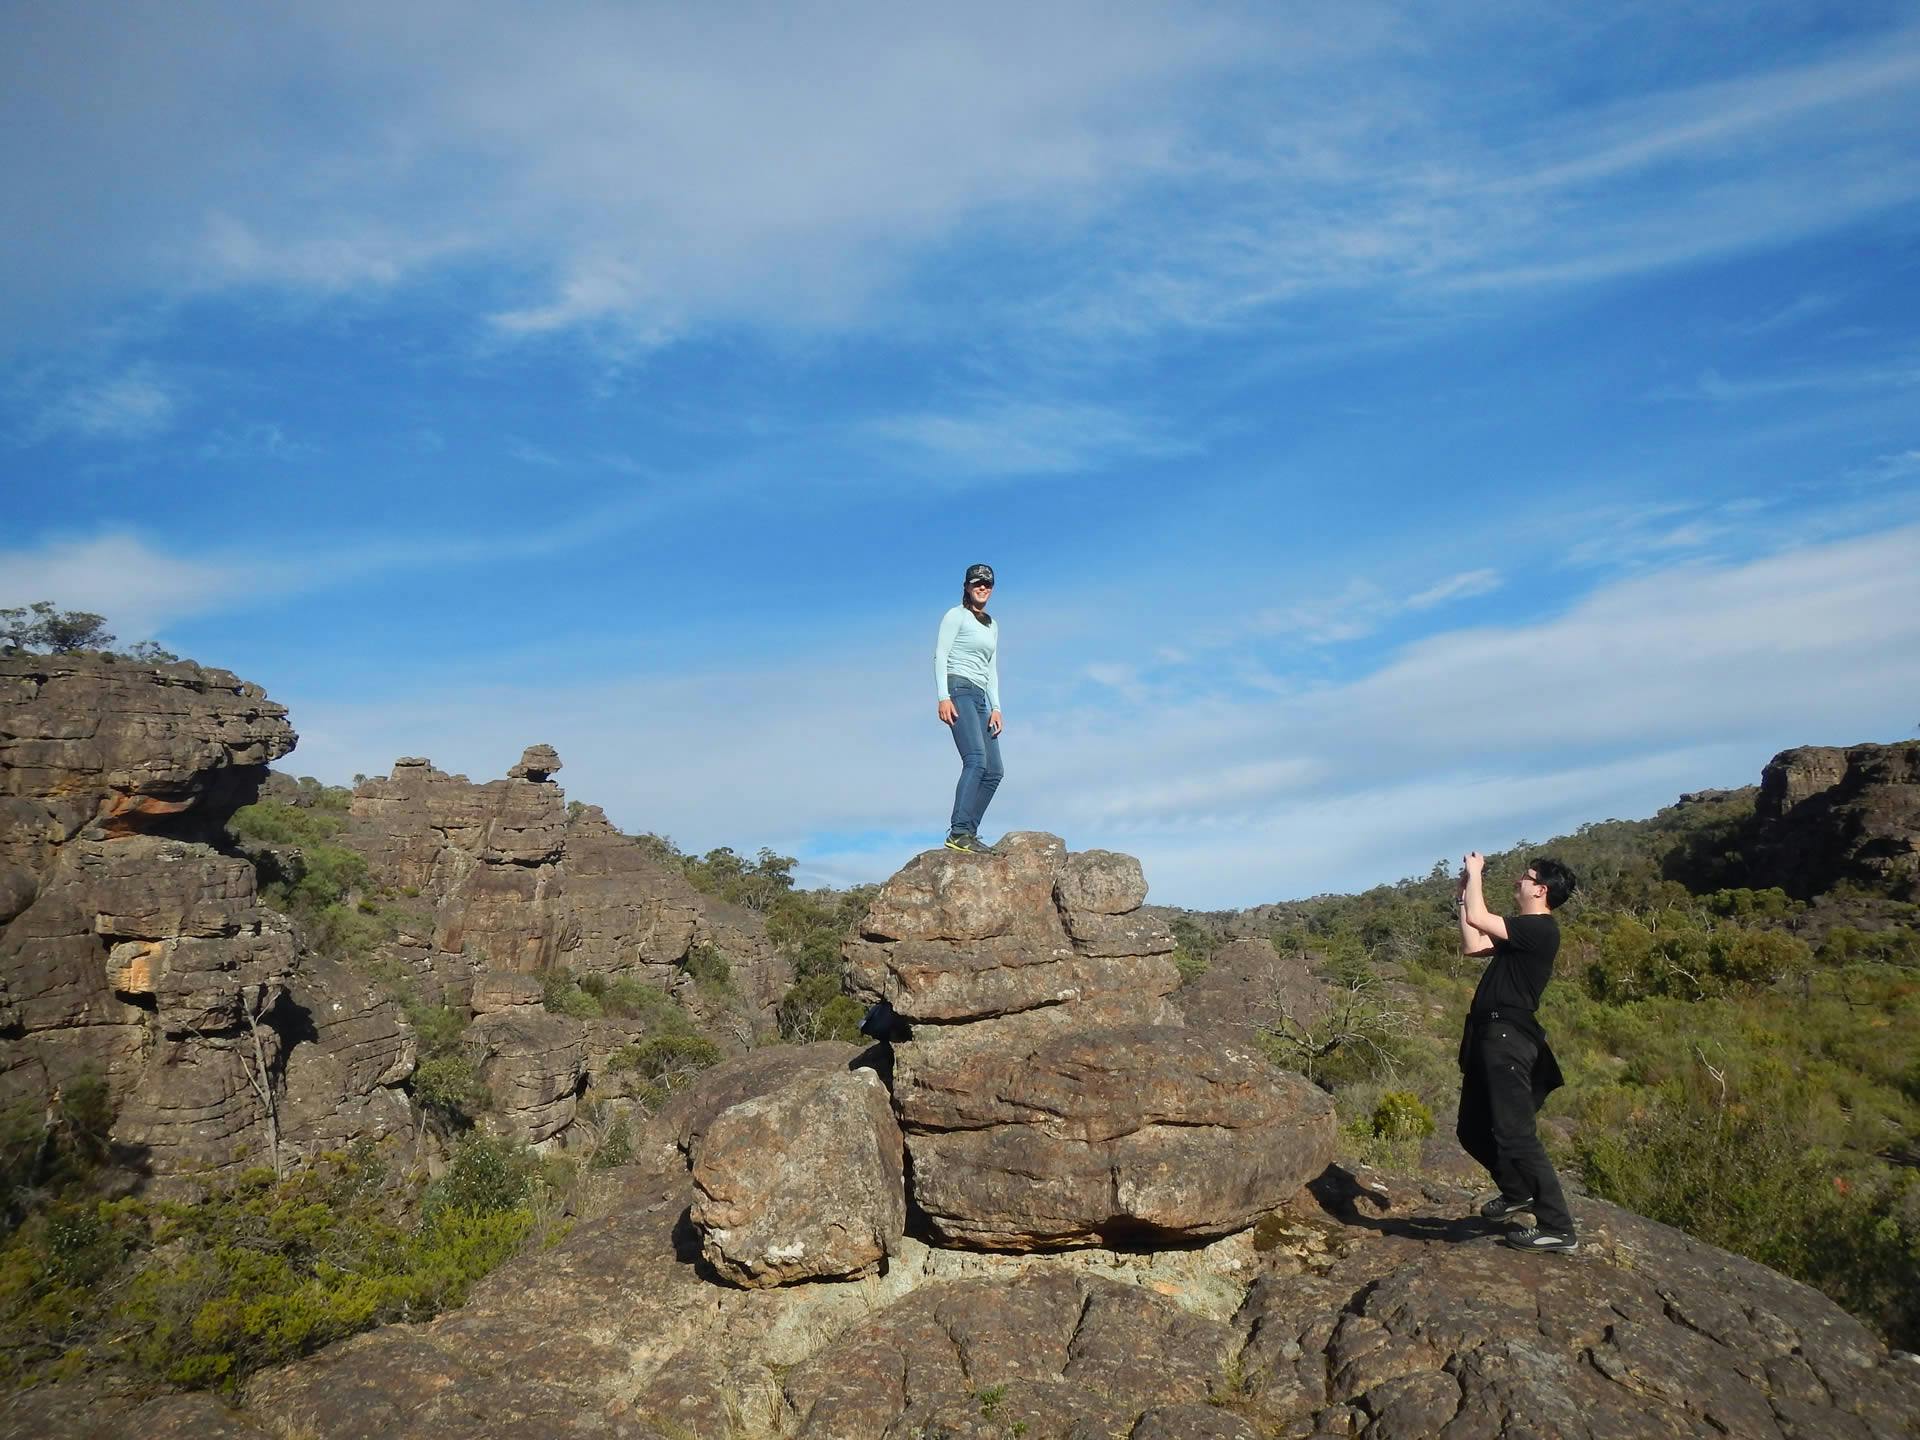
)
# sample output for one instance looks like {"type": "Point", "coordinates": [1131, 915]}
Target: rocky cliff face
{"type": "Point", "coordinates": [1351, 1305]}
{"type": "Point", "coordinates": [133, 942]}
{"type": "Point", "coordinates": [131, 947]}
{"type": "Point", "coordinates": [1827, 816]}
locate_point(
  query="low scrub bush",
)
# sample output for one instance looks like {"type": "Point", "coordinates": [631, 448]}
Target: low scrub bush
{"type": "Point", "coordinates": [710, 970]}
{"type": "Point", "coordinates": [1739, 1176]}
{"type": "Point", "coordinates": [815, 1009]}
{"type": "Point", "coordinates": [1402, 1116]}
{"type": "Point", "coordinates": [263, 1269]}
{"type": "Point", "coordinates": [46, 1150]}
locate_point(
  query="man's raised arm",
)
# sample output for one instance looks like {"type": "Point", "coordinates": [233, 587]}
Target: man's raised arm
{"type": "Point", "coordinates": [1473, 908]}
{"type": "Point", "coordinates": [1473, 944]}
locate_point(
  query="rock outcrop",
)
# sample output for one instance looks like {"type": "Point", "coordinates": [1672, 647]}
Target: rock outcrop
{"type": "Point", "coordinates": [513, 880]}
{"type": "Point", "coordinates": [805, 1183]}
{"type": "Point", "coordinates": [1827, 816]}
{"type": "Point", "coordinates": [533, 1065]}
{"type": "Point", "coordinates": [1048, 1092]}
{"type": "Point", "coordinates": [134, 949]}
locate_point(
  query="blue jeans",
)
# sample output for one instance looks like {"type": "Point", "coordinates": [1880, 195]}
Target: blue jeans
{"type": "Point", "coordinates": [980, 770]}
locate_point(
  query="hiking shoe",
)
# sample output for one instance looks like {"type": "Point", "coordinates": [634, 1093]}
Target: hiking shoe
{"type": "Point", "coordinates": [1532, 1237]}
{"type": "Point", "coordinates": [1499, 1207]}
{"type": "Point", "coordinates": [966, 844]}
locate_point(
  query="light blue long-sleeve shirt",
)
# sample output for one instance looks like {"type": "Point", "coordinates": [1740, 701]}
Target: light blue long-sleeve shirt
{"type": "Point", "coordinates": [970, 650]}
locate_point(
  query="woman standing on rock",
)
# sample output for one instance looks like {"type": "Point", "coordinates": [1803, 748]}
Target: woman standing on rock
{"type": "Point", "coordinates": [966, 676]}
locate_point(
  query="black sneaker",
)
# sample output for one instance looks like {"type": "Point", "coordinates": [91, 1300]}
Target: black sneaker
{"type": "Point", "coordinates": [1532, 1237]}
{"type": "Point", "coordinates": [966, 844]}
{"type": "Point", "coordinates": [1499, 1208]}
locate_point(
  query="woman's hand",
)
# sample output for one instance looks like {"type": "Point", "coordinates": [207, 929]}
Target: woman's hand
{"type": "Point", "coordinates": [947, 712]}
{"type": "Point", "coordinates": [994, 727]}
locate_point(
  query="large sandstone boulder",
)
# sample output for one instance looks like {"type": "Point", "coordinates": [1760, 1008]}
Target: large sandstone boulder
{"type": "Point", "coordinates": [1827, 815]}
{"type": "Point", "coordinates": [125, 747]}
{"type": "Point", "coordinates": [342, 1083]}
{"type": "Point", "coordinates": [1048, 1092]}
{"type": "Point", "coordinates": [1053, 1135]}
{"type": "Point", "coordinates": [804, 1183]}
{"type": "Point", "coordinates": [688, 1113]}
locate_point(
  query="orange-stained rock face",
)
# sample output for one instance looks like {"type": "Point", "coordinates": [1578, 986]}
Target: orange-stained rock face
{"type": "Point", "coordinates": [132, 966]}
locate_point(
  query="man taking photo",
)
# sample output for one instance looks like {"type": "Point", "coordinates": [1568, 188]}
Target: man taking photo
{"type": "Point", "coordinates": [1507, 1068]}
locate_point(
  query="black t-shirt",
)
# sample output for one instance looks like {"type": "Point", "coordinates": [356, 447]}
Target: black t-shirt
{"type": "Point", "coordinates": [1516, 977]}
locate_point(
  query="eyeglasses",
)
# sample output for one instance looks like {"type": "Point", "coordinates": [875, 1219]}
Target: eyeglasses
{"type": "Point", "coordinates": [982, 585]}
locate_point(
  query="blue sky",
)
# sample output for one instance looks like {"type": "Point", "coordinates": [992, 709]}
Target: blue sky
{"type": "Point", "coordinates": [1394, 434]}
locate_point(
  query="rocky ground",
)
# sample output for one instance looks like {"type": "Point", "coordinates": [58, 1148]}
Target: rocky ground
{"type": "Point", "coordinates": [1364, 1307]}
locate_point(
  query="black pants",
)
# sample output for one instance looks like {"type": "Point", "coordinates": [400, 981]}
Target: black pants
{"type": "Point", "coordinates": [1496, 1121]}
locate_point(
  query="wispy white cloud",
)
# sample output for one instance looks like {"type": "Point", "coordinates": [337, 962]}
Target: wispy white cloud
{"type": "Point", "coordinates": [1831, 379]}
{"type": "Point", "coordinates": [1361, 608]}
{"type": "Point", "coordinates": [1020, 438]}
{"type": "Point", "coordinates": [1433, 206]}
{"type": "Point", "coordinates": [1161, 166]}
{"type": "Point", "coordinates": [132, 405]}
{"type": "Point", "coordinates": [527, 453]}
{"type": "Point", "coordinates": [1465, 586]}
{"type": "Point", "coordinates": [139, 589]}
{"type": "Point", "coordinates": [1886, 469]}
{"type": "Point", "coordinates": [255, 441]}
{"type": "Point", "coordinates": [1784, 317]}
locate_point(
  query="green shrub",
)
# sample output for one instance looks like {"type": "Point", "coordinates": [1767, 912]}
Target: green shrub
{"type": "Point", "coordinates": [1844, 945]}
{"type": "Point", "coordinates": [561, 994]}
{"type": "Point", "coordinates": [616, 1146]}
{"type": "Point", "coordinates": [438, 1028]}
{"type": "Point", "coordinates": [628, 997]}
{"type": "Point", "coordinates": [709, 968]}
{"type": "Point", "coordinates": [261, 1270]}
{"type": "Point", "coordinates": [486, 1174]}
{"type": "Point", "coordinates": [1193, 948]}
{"type": "Point", "coordinates": [668, 1056]}
{"type": "Point", "coordinates": [1739, 1177]}
{"type": "Point", "coordinates": [815, 1009]}
{"type": "Point", "coordinates": [50, 1151]}
{"type": "Point", "coordinates": [1401, 1116]}
{"type": "Point", "coordinates": [449, 1087]}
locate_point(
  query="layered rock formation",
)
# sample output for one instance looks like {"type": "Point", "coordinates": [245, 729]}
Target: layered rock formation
{"type": "Point", "coordinates": [1049, 1093]}
{"type": "Point", "coordinates": [133, 949]}
{"type": "Point", "coordinates": [513, 880]}
{"type": "Point", "coordinates": [133, 942]}
{"type": "Point", "coordinates": [1827, 816]}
